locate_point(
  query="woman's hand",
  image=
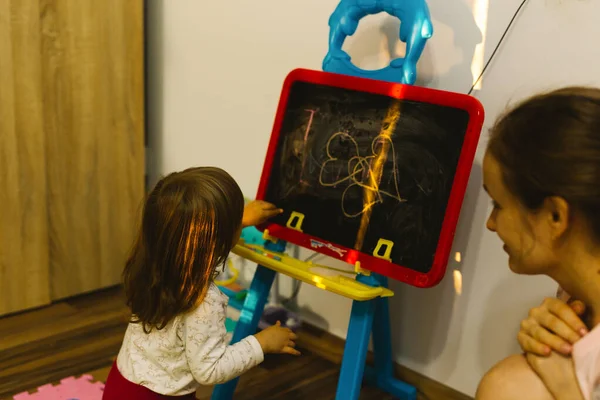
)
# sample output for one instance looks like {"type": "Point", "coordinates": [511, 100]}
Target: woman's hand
{"type": "Point", "coordinates": [558, 374]}
{"type": "Point", "coordinates": [257, 212]}
{"type": "Point", "coordinates": [554, 325]}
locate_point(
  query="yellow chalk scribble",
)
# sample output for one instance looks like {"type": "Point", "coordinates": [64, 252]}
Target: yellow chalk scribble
{"type": "Point", "coordinates": [372, 190]}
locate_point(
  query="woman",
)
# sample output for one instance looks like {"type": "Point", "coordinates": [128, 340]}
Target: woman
{"type": "Point", "coordinates": [542, 172]}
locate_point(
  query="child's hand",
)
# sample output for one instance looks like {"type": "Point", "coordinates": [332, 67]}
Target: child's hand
{"type": "Point", "coordinates": [256, 212]}
{"type": "Point", "coordinates": [554, 325]}
{"type": "Point", "coordinates": [276, 339]}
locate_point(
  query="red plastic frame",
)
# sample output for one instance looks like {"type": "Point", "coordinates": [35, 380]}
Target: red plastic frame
{"type": "Point", "coordinates": [465, 162]}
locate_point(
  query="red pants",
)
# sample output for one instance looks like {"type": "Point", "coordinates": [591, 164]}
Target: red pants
{"type": "Point", "coordinates": [119, 388]}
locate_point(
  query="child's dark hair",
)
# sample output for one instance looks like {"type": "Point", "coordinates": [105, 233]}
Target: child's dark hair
{"type": "Point", "coordinates": [189, 224]}
{"type": "Point", "coordinates": [549, 145]}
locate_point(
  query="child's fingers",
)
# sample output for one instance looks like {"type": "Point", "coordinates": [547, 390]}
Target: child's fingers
{"type": "Point", "coordinates": [269, 207]}
{"type": "Point", "coordinates": [293, 336]}
{"type": "Point", "coordinates": [272, 212]}
{"type": "Point", "coordinates": [290, 350]}
{"type": "Point", "coordinates": [291, 344]}
{"type": "Point", "coordinates": [278, 323]}
{"type": "Point", "coordinates": [265, 205]}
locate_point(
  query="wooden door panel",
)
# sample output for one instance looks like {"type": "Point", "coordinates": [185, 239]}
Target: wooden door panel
{"type": "Point", "coordinates": [24, 270]}
{"type": "Point", "coordinates": [93, 77]}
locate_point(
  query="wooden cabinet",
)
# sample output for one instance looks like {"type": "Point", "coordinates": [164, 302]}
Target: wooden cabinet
{"type": "Point", "coordinates": [24, 258]}
{"type": "Point", "coordinates": [71, 145]}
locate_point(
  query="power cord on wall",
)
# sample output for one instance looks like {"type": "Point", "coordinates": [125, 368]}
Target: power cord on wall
{"type": "Point", "coordinates": [515, 15]}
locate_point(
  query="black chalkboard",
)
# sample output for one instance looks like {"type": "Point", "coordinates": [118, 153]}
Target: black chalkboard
{"type": "Point", "coordinates": [325, 156]}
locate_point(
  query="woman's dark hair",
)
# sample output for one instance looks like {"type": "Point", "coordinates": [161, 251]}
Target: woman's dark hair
{"type": "Point", "coordinates": [549, 145]}
{"type": "Point", "coordinates": [189, 224]}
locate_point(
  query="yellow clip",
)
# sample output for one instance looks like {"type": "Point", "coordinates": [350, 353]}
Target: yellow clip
{"type": "Point", "coordinates": [268, 237]}
{"type": "Point", "coordinates": [359, 270]}
{"type": "Point", "coordinates": [388, 249]}
{"type": "Point", "coordinates": [299, 219]}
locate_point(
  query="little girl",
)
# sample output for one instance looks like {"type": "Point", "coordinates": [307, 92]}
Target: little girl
{"type": "Point", "coordinates": [176, 339]}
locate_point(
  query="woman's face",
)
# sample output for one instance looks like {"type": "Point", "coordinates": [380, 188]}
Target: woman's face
{"type": "Point", "coordinates": [524, 233]}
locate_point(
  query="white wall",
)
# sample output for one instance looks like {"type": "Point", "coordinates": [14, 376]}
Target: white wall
{"type": "Point", "coordinates": [215, 74]}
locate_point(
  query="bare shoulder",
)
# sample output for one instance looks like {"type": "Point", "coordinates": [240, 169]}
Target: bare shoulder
{"type": "Point", "coordinates": [512, 379]}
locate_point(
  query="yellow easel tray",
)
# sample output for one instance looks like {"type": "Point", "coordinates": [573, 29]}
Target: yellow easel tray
{"type": "Point", "coordinates": [297, 269]}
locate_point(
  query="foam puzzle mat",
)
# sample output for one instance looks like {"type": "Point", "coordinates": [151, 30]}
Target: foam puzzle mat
{"type": "Point", "coordinates": [71, 388]}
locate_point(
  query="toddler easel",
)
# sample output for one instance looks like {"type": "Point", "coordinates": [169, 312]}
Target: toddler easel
{"type": "Point", "coordinates": [369, 315]}
{"type": "Point", "coordinates": [369, 291]}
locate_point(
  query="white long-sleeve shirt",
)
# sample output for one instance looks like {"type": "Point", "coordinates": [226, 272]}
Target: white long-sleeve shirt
{"type": "Point", "coordinates": [192, 350]}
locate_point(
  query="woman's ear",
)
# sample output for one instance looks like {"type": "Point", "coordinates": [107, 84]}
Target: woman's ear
{"type": "Point", "coordinates": [557, 211]}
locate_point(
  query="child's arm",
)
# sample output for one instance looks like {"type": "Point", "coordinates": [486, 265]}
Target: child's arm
{"type": "Point", "coordinates": [210, 357]}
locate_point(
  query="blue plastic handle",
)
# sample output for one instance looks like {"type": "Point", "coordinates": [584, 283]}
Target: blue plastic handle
{"type": "Point", "coordinates": [415, 29]}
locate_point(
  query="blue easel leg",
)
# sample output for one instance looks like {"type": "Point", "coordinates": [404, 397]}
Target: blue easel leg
{"type": "Point", "coordinates": [382, 375]}
{"type": "Point", "coordinates": [254, 306]}
{"type": "Point", "coordinates": [382, 340]}
{"type": "Point", "coordinates": [355, 351]}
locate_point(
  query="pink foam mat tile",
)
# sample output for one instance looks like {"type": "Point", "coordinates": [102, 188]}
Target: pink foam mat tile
{"type": "Point", "coordinates": [70, 388]}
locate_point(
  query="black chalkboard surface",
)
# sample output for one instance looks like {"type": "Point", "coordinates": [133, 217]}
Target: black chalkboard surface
{"type": "Point", "coordinates": [354, 169]}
